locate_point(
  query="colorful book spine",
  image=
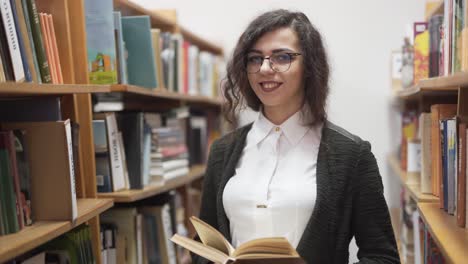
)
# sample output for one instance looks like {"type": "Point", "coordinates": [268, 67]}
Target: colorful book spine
{"type": "Point", "coordinates": [421, 51]}
{"type": "Point", "coordinates": [44, 67]}
{"type": "Point", "coordinates": [12, 39]}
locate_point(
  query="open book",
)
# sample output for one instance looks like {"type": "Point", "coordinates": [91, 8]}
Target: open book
{"type": "Point", "coordinates": [214, 247]}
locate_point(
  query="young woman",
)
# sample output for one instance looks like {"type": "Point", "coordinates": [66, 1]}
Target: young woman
{"type": "Point", "coordinates": [292, 173]}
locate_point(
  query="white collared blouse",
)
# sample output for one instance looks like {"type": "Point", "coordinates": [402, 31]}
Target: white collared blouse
{"type": "Point", "coordinates": [273, 190]}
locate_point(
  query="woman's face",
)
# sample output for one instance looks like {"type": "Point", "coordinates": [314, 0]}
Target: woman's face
{"type": "Point", "coordinates": [277, 90]}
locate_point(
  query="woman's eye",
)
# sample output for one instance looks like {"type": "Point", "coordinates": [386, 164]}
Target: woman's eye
{"type": "Point", "coordinates": [255, 60]}
{"type": "Point", "coordinates": [281, 58]}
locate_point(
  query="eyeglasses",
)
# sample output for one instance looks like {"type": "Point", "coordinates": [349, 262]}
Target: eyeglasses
{"type": "Point", "coordinates": [279, 62]}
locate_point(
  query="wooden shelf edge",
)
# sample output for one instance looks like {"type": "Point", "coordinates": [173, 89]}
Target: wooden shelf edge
{"type": "Point", "coordinates": [41, 232]}
{"type": "Point", "coordinates": [128, 196]}
{"type": "Point", "coordinates": [158, 19]}
{"type": "Point", "coordinates": [22, 89]}
{"type": "Point", "coordinates": [436, 84]}
{"type": "Point", "coordinates": [450, 238]}
{"type": "Point", "coordinates": [163, 93]}
{"type": "Point", "coordinates": [201, 43]}
{"type": "Point", "coordinates": [413, 189]}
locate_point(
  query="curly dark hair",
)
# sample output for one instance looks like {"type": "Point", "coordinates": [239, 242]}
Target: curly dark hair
{"type": "Point", "coordinates": [236, 86]}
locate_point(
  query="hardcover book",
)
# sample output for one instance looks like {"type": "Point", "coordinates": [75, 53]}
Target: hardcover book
{"type": "Point", "coordinates": [100, 40]}
{"type": "Point", "coordinates": [214, 247]}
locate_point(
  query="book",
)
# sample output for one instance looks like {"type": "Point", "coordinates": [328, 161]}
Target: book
{"type": "Point", "coordinates": [120, 49]}
{"type": "Point", "coordinates": [426, 159]}
{"type": "Point", "coordinates": [438, 112]}
{"type": "Point", "coordinates": [114, 151]}
{"type": "Point", "coordinates": [138, 40]}
{"type": "Point", "coordinates": [461, 186]}
{"type": "Point", "coordinates": [12, 39]}
{"type": "Point", "coordinates": [21, 42]}
{"type": "Point", "coordinates": [214, 247]}
{"type": "Point", "coordinates": [421, 51]}
{"type": "Point", "coordinates": [24, 32]}
{"type": "Point", "coordinates": [100, 41]}
{"type": "Point", "coordinates": [52, 175]}
{"type": "Point", "coordinates": [43, 63]}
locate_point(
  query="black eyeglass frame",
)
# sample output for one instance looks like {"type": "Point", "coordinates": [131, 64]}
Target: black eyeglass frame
{"type": "Point", "coordinates": [291, 55]}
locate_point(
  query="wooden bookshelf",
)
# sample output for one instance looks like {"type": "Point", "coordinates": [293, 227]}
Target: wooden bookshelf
{"type": "Point", "coordinates": [134, 93]}
{"type": "Point", "coordinates": [160, 19]}
{"type": "Point", "coordinates": [129, 8]}
{"type": "Point", "coordinates": [201, 43]}
{"type": "Point", "coordinates": [9, 89]}
{"type": "Point", "coordinates": [414, 190]}
{"type": "Point", "coordinates": [128, 196]}
{"type": "Point", "coordinates": [450, 238]}
{"type": "Point", "coordinates": [43, 231]}
{"type": "Point", "coordinates": [439, 86]}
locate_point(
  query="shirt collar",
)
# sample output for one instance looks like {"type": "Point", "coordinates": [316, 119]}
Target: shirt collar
{"type": "Point", "coordinates": [294, 128]}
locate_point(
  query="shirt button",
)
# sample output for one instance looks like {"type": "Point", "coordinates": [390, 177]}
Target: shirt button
{"type": "Point", "coordinates": [277, 129]}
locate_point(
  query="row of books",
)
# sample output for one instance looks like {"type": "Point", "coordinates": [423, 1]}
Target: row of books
{"type": "Point", "coordinates": [434, 155]}
{"type": "Point", "coordinates": [31, 181]}
{"type": "Point", "coordinates": [416, 242]}
{"type": "Point", "coordinates": [440, 45]}
{"type": "Point", "coordinates": [166, 143]}
{"type": "Point", "coordinates": [120, 49]}
{"type": "Point", "coordinates": [72, 247]}
{"type": "Point", "coordinates": [140, 55]}
{"type": "Point", "coordinates": [28, 44]}
{"type": "Point", "coordinates": [140, 232]}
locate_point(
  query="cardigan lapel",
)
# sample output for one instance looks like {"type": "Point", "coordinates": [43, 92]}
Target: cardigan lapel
{"type": "Point", "coordinates": [316, 242]}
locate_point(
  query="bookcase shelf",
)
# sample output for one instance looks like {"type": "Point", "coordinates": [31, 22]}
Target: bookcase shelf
{"type": "Point", "coordinates": [42, 231]}
{"type": "Point", "coordinates": [451, 239]}
{"type": "Point", "coordinates": [9, 89]}
{"type": "Point", "coordinates": [136, 93]}
{"type": "Point", "coordinates": [166, 23]}
{"type": "Point", "coordinates": [437, 85]}
{"type": "Point", "coordinates": [128, 196]}
{"type": "Point", "coordinates": [413, 190]}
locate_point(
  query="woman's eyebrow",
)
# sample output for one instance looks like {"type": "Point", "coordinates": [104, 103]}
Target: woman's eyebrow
{"type": "Point", "coordinates": [274, 51]}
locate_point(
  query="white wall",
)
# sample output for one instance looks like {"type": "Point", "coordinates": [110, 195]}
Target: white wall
{"type": "Point", "coordinates": [359, 36]}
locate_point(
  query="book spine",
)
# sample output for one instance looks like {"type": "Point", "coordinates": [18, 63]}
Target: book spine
{"type": "Point", "coordinates": [22, 48]}
{"type": "Point", "coordinates": [30, 39]}
{"type": "Point", "coordinates": [16, 179]}
{"type": "Point", "coordinates": [12, 39]}
{"type": "Point", "coordinates": [461, 197]}
{"type": "Point", "coordinates": [38, 42]}
{"type": "Point", "coordinates": [68, 134]}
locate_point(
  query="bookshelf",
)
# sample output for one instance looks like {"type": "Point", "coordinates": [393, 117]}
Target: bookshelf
{"type": "Point", "coordinates": [44, 231]}
{"type": "Point", "coordinates": [413, 189]}
{"type": "Point", "coordinates": [435, 86]}
{"type": "Point", "coordinates": [451, 239]}
{"type": "Point", "coordinates": [33, 89]}
{"type": "Point", "coordinates": [166, 20]}
{"type": "Point", "coordinates": [77, 105]}
{"type": "Point", "coordinates": [135, 94]}
{"type": "Point", "coordinates": [127, 196]}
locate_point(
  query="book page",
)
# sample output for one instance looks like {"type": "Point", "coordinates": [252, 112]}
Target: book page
{"type": "Point", "coordinates": [200, 249]}
{"type": "Point", "coordinates": [273, 245]}
{"type": "Point", "coordinates": [211, 237]}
